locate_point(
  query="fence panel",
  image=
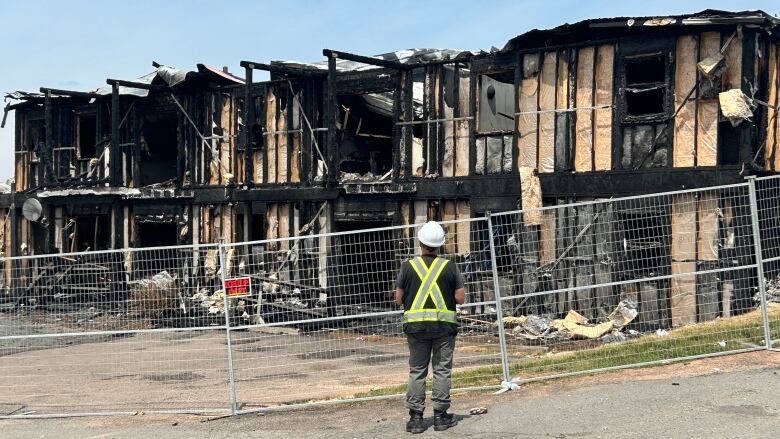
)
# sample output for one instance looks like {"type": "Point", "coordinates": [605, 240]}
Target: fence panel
{"type": "Point", "coordinates": [618, 282]}
{"type": "Point", "coordinates": [134, 330]}
{"type": "Point", "coordinates": [321, 322]}
{"type": "Point", "coordinates": [768, 201]}
{"type": "Point", "coordinates": [580, 287]}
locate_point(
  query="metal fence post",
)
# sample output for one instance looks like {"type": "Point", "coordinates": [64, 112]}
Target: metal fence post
{"type": "Point", "coordinates": [759, 258]}
{"type": "Point", "coordinates": [499, 308]}
{"type": "Point", "coordinates": [231, 373]}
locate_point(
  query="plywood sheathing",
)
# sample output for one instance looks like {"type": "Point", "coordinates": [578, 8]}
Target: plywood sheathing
{"type": "Point", "coordinates": [405, 208]}
{"type": "Point", "coordinates": [583, 152]}
{"type": "Point", "coordinates": [462, 126]}
{"type": "Point", "coordinates": [531, 196]}
{"type": "Point", "coordinates": [495, 148]}
{"type": "Point", "coordinates": [463, 213]}
{"type": "Point", "coordinates": [546, 161]}
{"type": "Point", "coordinates": [418, 161]}
{"type": "Point", "coordinates": [527, 123]}
{"type": "Point", "coordinates": [295, 125]}
{"type": "Point", "coordinates": [683, 227]}
{"type": "Point", "coordinates": [683, 293]}
{"type": "Point", "coordinates": [479, 168]}
{"type": "Point", "coordinates": [281, 144]}
{"type": "Point", "coordinates": [272, 222]}
{"type": "Point", "coordinates": [605, 60]}
{"type": "Point", "coordinates": [683, 254]}
{"type": "Point", "coordinates": [450, 240]}
{"type": "Point", "coordinates": [448, 163]}
{"type": "Point", "coordinates": [770, 154]}
{"type": "Point", "coordinates": [270, 139]}
{"type": "Point", "coordinates": [776, 111]}
{"type": "Point", "coordinates": [732, 75]}
{"type": "Point", "coordinates": [562, 101]}
{"type": "Point", "coordinates": [547, 237]}
{"type": "Point", "coordinates": [284, 225]}
{"type": "Point", "coordinates": [707, 117]}
{"type": "Point", "coordinates": [685, 122]}
{"type": "Point", "coordinates": [708, 226]}
{"type": "Point", "coordinates": [226, 145]}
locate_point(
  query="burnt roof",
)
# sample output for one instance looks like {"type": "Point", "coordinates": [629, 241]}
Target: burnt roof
{"type": "Point", "coordinates": [603, 28]}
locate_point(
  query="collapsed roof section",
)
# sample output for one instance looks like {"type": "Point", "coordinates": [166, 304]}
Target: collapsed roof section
{"type": "Point", "coordinates": [408, 57]}
{"type": "Point", "coordinates": [162, 75]}
{"type": "Point", "coordinates": [600, 28]}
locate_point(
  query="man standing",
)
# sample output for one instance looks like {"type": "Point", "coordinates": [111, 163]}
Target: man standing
{"type": "Point", "coordinates": [429, 287]}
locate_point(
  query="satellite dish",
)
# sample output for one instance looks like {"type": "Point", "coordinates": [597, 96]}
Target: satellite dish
{"type": "Point", "coordinates": [32, 209]}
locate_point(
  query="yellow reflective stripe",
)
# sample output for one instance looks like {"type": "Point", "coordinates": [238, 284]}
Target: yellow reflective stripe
{"type": "Point", "coordinates": [417, 269]}
{"type": "Point", "coordinates": [435, 291]}
{"type": "Point", "coordinates": [424, 283]}
{"type": "Point", "coordinates": [435, 270]}
{"type": "Point", "coordinates": [430, 315]}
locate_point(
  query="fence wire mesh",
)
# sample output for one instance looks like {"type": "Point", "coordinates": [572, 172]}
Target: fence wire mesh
{"type": "Point", "coordinates": [768, 212]}
{"type": "Point", "coordinates": [617, 282]}
{"type": "Point", "coordinates": [325, 303]}
{"type": "Point", "coordinates": [128, 330]}
{"type": "Point", "coordinates": [567, 288]}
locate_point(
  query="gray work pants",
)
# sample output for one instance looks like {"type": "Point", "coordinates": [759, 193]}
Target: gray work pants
{"type": "Point", "coordinates": [435, 349]}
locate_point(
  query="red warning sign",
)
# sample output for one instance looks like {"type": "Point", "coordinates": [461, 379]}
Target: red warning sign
{"type": "Point", "coordinates": [238, 287]}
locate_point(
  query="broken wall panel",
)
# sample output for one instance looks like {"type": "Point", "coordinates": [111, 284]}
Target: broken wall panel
{"type": "Point", "coordinates": [683, 245]}
{"type": "Point", "coordinates": [775, 113]}
{"type": "Point", "coordinates": [527, 121]}
{"type": "Point", "coordinates": [683, 299]}
{"type": "Point", "coordinates": [771, 155]}
{"type": "Point", "coordinates": [562, 119]}
{"type": "Point", "coordinates": [270, 138]}
{"type": "Point", "coordinates": [546, 121]}
{"type": "Point", "coordinates": [282, 167]}
{"type": "Point", "coordinates": [462, 126]}
{"type": "Point", "coordinates": [684, 82]}
{"type": "Point", "coordinates": [708, 220]}
{"type": "Point", "coordinates": [448, 126]}
{"type": "Point", "coordinates": [583, 152]}
{"type": "Point", "coordinates": [602, 145]}
{"type": "Point", "coordinates": [732, 75]}
{"type": "Point", "coordinates": [707, 114]}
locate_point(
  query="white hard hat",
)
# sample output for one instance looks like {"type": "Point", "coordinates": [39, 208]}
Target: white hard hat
{"type": "Point", "coordinates": [431, 234]}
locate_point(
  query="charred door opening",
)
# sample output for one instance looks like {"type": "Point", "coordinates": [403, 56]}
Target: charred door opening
{"type": "Point", "coordinates": [92, 232]}
{"type": "Point", "coordinates": [159, 146]}
{"type": "Point", "coordinates": [86, 126]}
{"type": "Point", "coordinates": [152, 234]}
{"type": "Point", "coordinates": [367, 264]}
{"type": "Point", "coordinates": [366, 130]}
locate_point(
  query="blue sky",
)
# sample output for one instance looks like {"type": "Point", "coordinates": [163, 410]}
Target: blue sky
{"type": "Point", "coordinates": [77, 44]}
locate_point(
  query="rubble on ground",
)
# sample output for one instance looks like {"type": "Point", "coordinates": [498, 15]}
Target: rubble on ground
{"type": "Point", "coordinates": [574, 326]}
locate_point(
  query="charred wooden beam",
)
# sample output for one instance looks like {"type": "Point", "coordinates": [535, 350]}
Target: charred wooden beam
{"type": "Point", "coordinates": [249, 120]}
{"type": "Point", "coordinates": [331, 113]}
{"type": "Point", "coordinates": [138, 85]}
{"type": "Point", "coordinates": [332, 54]}
{"type": "Point", "coordinates": [282, 70]}
{"type": "Point", "coordinates": [71, 93]}
{"type": "Point", "coordinates": [114, 161]}
{"type": "Point", "coordinates": [46, 164]}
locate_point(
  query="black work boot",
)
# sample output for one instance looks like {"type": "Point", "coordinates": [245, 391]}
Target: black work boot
{"type": "Point", "coordinates": [443, 420]}
{"type": "Point", "coordinates": [415, 423]}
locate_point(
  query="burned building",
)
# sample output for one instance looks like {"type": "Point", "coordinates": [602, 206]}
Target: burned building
{"type": "Point", "coordinates": [596, 109]}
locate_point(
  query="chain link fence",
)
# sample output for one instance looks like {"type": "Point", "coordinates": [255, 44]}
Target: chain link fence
{"type": "Point", "coordinates": [235, 328]}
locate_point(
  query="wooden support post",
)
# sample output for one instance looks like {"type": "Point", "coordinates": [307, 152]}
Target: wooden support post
{"type": "Point", "coordinates": [113, 158]}
{"type": "Point", "coordinates": [46, 169]}
{"type": "Point", "coordinates": [331, 114]}
{"type": "Point", "coordinates": [249, 122]}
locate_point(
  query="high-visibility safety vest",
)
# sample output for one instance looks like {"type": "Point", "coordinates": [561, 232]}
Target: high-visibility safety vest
{"type": "Point", "coordinates": [429, 288]}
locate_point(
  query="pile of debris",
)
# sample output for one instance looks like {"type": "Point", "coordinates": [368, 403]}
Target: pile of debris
{"type": "Point", "coordinates": [574, 326]}
{"type": "Point", "coordinates": [772, 291]}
